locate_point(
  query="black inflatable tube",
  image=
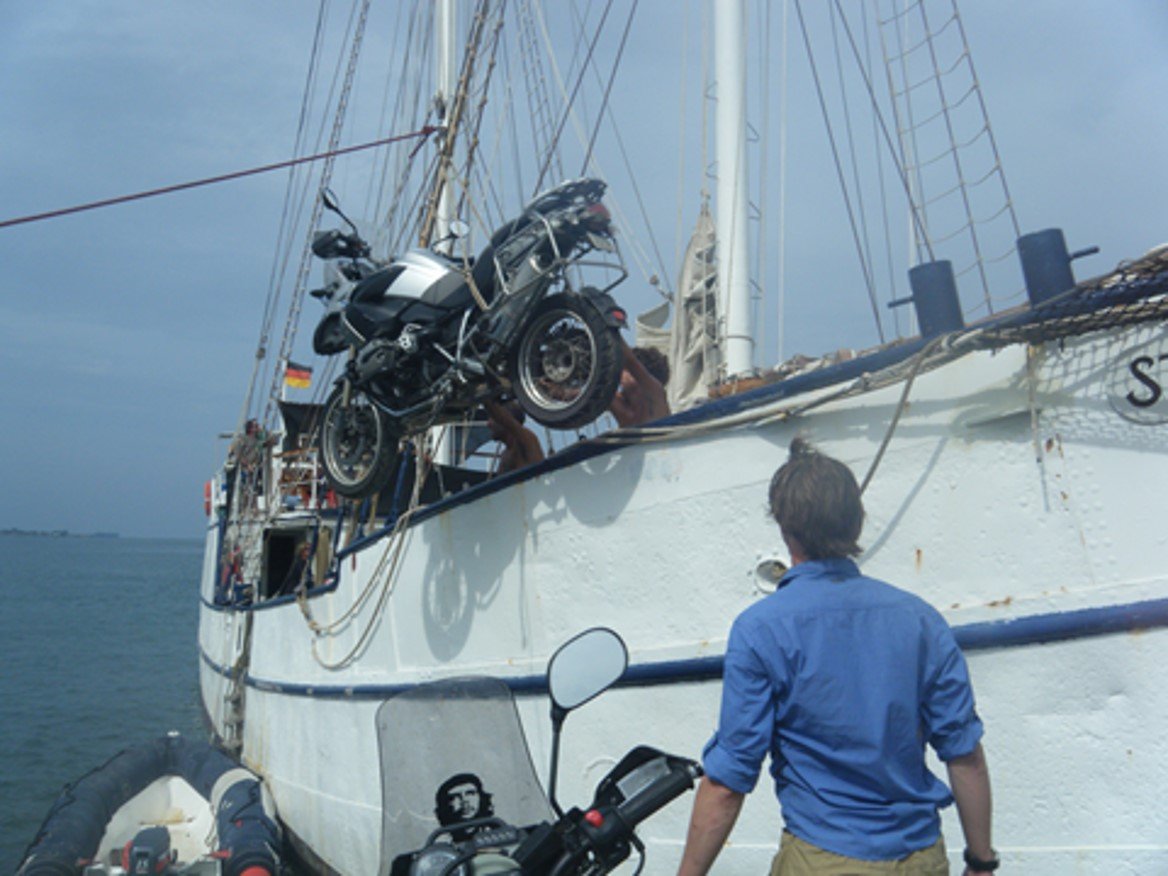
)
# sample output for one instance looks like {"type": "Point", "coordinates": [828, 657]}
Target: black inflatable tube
{"type": "Point", "coordinates": [76, 822]}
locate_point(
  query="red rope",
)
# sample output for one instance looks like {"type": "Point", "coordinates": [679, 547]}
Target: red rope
{"type": "Point", "coordinates": [178, 187]}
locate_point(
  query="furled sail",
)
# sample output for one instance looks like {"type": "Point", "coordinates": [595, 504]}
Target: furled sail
{"type": "Point", "coordinates": [692, 342]}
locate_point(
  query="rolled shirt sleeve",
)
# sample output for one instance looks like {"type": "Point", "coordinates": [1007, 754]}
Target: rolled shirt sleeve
{"type": "Point", "coordinates": [950, 717]}
{"type": "Point", "coordinates": [733, 757]}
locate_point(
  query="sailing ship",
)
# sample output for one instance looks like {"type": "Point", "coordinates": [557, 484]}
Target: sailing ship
{"type": "Point", "coordinates": [999, 449]}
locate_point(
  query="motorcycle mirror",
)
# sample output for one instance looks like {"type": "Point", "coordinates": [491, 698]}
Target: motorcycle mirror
{"type": "Point", "coordinates": [329, 199]}
{"type": "Point", "coordinates": [581, 669]}
{"type": "Point", "coordinates": [459, 229]}
{"type": "Point", "coordinates": [586, 666]}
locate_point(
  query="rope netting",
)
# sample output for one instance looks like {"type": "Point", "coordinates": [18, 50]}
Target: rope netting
{"type": "Point", "coordinates": [1135, 292]}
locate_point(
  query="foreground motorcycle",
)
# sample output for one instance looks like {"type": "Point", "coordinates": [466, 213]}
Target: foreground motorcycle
{"type": "Point", "coordinates": [431, 336]}
{"type": "Point", "coordinates": [490, 815]}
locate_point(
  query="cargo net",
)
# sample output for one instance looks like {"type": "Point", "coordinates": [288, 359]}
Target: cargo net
{"type": "Point", "coordinates": [1136, 292]}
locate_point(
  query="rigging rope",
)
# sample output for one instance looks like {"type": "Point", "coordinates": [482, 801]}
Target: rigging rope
{"type": "Point", "coordinates": [634, 248]}
{"type": "Point", "coordinates": [910, 160]}
{"type": "Point", "coordinates": [291, 323]}
{"type": "Point", "coordinates": [865, 243]}
{"type": "Point", "coordinates": [957, 164]}
{"type": "Point", "coordinates": [287, 242]}
{"type": "Point", "coordinates": [608, 88]}
{"type": "Point", "coordinates": [384, 575]}
{"type": "Point", "coordinates": [392, 60]}
{"type": "Point", "coordinates": [761, 247]}
{"type": "Point", "coordinates": [472, 130]}
{"type": "Point", "coordinates": [538, 98]}
{"type": "Point", "coordinates": [571, 101]}
{"type": "Point", "coordinates": [661, 272]}
{"type": "Point", "coordinates": [453, 124]}
{"type": "Point", "coordinates": [839, 172]}
{"type": "Point", "coordinates": [213, 180]}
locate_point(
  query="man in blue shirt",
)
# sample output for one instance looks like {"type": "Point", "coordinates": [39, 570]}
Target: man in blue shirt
{"type": "Point", "coordinates": [843, 680]}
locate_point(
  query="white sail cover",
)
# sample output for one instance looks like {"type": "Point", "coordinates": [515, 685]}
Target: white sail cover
{"type": "Point", "coordinates": [691, 343]}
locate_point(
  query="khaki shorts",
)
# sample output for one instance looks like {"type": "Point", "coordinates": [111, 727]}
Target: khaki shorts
{"type": "Point", "coordinates": [799, 858]}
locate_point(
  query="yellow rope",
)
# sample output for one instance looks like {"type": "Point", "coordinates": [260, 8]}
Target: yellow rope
{"type": "Point", "coordinates": [383, 576]}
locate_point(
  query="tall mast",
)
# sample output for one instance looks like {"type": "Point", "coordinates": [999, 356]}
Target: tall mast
{"type": "Point", "coordinates": [730, 122]}
{"type": "Point", "coordinates": [446, 79]}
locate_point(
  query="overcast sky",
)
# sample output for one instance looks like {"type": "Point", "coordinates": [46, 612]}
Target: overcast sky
{"type": "Point", "coordinates": [127, 334]}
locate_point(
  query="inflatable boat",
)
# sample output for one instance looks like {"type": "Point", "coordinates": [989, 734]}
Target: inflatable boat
{"type": "Point", "coordinates": [171, 806]}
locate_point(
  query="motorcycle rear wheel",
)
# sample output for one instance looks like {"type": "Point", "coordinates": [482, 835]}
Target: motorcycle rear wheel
{"type": "Point", "coordinates": [566, 365]}
{"type": "Point", "coordinates": [358, 447]}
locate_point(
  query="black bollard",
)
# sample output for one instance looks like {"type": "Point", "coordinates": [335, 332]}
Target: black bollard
{"type": "Point", "coordinates": [1046, 264]}
{"type": "Point", "coordinates": [934, 296]}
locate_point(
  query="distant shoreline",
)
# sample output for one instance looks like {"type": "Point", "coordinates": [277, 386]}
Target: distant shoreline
{"type": "Point", "coordinates": [58, 533]}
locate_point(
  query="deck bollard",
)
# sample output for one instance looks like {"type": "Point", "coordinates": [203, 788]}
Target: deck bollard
{"type": "Point", "coordinates": [934, 296]}
{"type": "Point", "coordinates": [1046, 264]}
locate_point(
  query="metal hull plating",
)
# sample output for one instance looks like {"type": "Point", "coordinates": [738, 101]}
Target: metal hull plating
{"type": "Point", "coordinates": [1018, 493]}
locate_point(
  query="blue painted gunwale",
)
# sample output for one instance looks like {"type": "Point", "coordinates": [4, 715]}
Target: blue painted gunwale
{"type": "Point", "coordinates": [1038, 629]}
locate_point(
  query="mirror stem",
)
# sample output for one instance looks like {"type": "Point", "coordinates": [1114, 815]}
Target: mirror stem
{"type": "Point", "coordinates": [558, 715]}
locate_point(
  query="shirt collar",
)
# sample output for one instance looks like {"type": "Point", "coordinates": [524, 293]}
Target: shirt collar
{"type": "Point", "coordinates": [833, 568]}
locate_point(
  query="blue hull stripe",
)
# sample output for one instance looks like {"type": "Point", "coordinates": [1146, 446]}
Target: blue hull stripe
{"type": "Point", "coordinates": [1034, 630]}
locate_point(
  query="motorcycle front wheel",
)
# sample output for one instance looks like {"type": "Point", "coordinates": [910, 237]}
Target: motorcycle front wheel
{"type": "Point", "coordinates": [358, 448]}
{"type": "Point", "coordinates": [566, 365]}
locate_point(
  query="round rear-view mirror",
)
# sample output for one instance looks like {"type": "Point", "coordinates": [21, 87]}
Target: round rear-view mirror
{"type": "Point", "coordinates": [586, 666]}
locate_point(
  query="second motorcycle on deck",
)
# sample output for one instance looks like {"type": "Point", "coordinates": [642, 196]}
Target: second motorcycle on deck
{"type": "Point", "coordinates": [431, 336]}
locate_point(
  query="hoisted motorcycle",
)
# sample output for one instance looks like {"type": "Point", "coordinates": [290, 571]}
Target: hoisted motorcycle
{"type": "Point", "coordinates": [432, 336]}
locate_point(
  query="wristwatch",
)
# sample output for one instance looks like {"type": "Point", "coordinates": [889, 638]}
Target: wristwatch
{"type": "Point", "coordinates": [977, 865]}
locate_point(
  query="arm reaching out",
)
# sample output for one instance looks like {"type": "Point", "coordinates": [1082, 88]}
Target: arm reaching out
{"type": "Point", "coordinates": [522, 447]}
{"type": "Point", "coordinates": [641, 397]}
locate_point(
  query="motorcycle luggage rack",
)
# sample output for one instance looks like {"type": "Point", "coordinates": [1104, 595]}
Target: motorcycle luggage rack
{"type": "Point", "coordinates": [559, 262]}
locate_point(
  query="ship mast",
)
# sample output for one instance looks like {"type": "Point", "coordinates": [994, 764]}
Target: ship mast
{"type": "Point", "coordinates": [731, 207]}
{"type": "Point", "coordinates": [437, 223]}
{"type": "Point", "coordinates": [450, 102]}
{"type": "Point", "coordinates": [444, 19]}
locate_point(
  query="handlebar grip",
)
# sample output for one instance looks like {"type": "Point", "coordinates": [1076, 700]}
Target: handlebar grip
{"type": "Point", "coordinates": [659, 794]}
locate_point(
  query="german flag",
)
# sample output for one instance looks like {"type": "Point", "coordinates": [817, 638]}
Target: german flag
{"type": "Point", "coordinates": [299, 376]}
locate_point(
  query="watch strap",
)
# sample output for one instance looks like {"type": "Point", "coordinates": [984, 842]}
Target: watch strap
{"type": "Point", "coordinates": [977, 865]}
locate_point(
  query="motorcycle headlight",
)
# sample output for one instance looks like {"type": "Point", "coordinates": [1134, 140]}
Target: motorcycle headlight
{"type": "Point", "coordinates": [432, 860]}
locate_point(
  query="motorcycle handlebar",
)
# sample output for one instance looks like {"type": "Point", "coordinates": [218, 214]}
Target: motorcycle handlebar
{"type": "Point", "coordinates": [659, 794]}
{"type": "Point", "coordinates": [337, 244]}
{"type": "Point", "coordinates": [595, 841]}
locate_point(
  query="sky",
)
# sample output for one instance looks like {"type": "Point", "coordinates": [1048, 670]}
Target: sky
{"type": "Point", "coordinates": [127, 334]}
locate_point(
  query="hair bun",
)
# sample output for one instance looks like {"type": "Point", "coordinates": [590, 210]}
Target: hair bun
{"type": "Point", "coordinates": [801, 448]}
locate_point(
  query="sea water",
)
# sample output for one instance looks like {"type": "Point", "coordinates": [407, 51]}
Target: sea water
{"type": "Point", "coordinates": [99, 652]}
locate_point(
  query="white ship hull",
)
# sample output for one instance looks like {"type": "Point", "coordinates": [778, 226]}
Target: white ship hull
{"type": "Point", "coordinates": [1016, 493]}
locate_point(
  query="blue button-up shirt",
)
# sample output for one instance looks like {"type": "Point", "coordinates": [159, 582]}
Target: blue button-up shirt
{"type": "Point", "coordinates": [843, 679]}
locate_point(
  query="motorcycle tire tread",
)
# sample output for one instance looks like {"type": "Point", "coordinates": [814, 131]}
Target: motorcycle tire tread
{"type": "Point", "coordinates": [605, 379]}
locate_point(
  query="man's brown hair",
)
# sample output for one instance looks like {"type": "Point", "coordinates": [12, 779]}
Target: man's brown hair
{"type": "Point", "coordinates": [816, 501]}
{"type": "Point", "coordinates": [655, 362]}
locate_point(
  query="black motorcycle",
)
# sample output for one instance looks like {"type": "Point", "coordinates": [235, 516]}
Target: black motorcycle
{"type": "Point", "coordinates": [490, 815]}
{"type": "Point", "coordinates": [432, 336]}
